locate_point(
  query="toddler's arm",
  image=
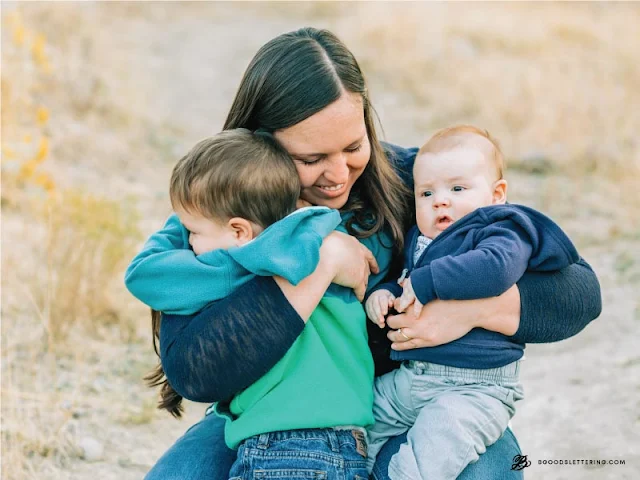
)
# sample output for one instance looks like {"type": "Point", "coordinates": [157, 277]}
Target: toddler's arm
{"type": "Point", "coordinates": [167, 276]}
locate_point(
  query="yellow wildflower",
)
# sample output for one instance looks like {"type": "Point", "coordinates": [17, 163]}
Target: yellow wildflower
{"type": "Point", "coordinates": [42, 115]}
{"type": "Point", "coordinates": [43, 149]}
{"type": "Point", "coordinates": [37, 50]}
{"type": "Point", "coordinates": [27, 169]}
{"type": "Point", "coordinates": [8, 153]}
{"type": "Point", "coordinates": [44, 181]}
{"type": "Point", "coordinates": [18, 34]}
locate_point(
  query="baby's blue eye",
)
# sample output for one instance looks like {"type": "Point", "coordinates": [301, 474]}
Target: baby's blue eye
{"type": "Point", "coordinates": [458, 188]}
{"type": "Point", "coordinates": [427, 193]}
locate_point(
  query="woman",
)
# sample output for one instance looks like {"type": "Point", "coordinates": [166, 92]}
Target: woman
{"type": "Point", "coordinates": [307, 88]}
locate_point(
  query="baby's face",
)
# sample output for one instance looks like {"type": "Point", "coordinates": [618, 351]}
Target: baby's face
{"type": "Point", "coordinates": [206, 235]}
{"type": "Point", "coordinates": [449, 185]}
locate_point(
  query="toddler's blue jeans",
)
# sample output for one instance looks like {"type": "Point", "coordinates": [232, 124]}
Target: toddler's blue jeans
{"type": "Point", "coordinates": [325, 454]}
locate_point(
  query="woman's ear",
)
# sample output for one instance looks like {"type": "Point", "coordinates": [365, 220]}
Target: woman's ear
{"type": "Point", "coordinates": [500, 192]}
{"type": "Point", "coordinates": [243, 230]}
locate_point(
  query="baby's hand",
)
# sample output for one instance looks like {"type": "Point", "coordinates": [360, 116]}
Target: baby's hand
{"type": "Point", "coordinates": [377, 306]}
{"type": "Point", "coordinates": [408, 297]}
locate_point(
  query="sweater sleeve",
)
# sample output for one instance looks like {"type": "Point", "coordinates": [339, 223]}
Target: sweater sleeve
{"type": "Point", "coordinates": [229, 345]}
{"type": "Point", "coordinates": [557, 305]}
{"type": "Point", "coordinates": [490, 269]}
{"type": "Point", "coordinates": [167, 276]}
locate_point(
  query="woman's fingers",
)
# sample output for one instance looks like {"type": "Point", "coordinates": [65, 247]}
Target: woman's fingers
{"type": "Point", "coordinates": [360, 291]}
{"type": "Point", "coordinates": [402, 335]}
{"type": "Point", "coordinates": [371, 260]}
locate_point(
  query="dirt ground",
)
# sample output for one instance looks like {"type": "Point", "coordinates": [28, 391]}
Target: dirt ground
{"type": "Point", "coordinates": [131, 86]}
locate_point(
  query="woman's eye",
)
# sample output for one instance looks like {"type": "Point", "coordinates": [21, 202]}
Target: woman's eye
{"type": "Point", "coordinates": [458, 188]}
{"type": "Point", "coordinates": [309, 161]}
{"type": "Point", "coordinates": [427, 193]}
{"type": "Point", "coordinates": [354, 149]}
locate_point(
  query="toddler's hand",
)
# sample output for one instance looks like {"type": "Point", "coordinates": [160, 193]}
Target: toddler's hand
{"type": "Point", "coordinates": [407, 298]}
{"type": "Point", "coordinates": [377, 306]}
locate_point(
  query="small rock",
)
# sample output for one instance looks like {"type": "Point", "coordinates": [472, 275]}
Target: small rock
{"type": "Point", "coordinates": [92, 449]}
{"type": "Point", "coordinates": [99, 385]}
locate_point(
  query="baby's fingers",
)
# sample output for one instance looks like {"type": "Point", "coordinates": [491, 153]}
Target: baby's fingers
{"type": "Point", "coordinates": [417, 308]}
{"type": "Point", "coordinates": [402, 303]}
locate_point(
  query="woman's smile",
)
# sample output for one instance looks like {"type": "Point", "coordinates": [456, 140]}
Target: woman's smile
{"type": "Point", "coordinates": [332, 191]}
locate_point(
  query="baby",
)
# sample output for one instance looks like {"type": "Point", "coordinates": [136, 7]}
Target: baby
{"type": "Point", "coordinates": [456, 399]}
{"type": "Point", "coordinates": [235, 200]}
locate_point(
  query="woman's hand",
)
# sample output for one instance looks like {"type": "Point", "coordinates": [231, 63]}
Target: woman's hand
{"type": "Point", "coordinates": [351, 262]}
{"type": "Point", "coordinates": [445, 321]}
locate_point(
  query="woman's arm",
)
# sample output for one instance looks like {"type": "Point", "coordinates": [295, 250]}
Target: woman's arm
{"type": "Point", "coordinates": [229, 345]}
{"type": "Point", "coordinates": [557, 305]}
{"type": "Point", "coordinates": [544, 307]}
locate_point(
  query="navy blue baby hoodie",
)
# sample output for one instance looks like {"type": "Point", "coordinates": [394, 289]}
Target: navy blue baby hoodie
{"type": "Point", "coordinates": [482, 255]}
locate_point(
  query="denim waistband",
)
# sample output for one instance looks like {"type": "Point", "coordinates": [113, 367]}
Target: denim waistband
{"type": "Point", "coordinates": [508, 373]}
{"type": "Point", "coordinates": [334, 437]}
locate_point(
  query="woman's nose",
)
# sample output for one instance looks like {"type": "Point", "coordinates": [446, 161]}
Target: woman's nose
{"type": "Point", "coordinates": [338, 170]}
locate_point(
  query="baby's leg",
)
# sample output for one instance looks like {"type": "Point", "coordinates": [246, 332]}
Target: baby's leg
{"type": "Point", "coordinates": [452, 431]}
{"type": "Point", "coordinates": [392, 410]}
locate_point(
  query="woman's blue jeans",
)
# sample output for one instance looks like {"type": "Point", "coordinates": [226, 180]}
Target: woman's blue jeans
{"type": "Point", "coordinates": [201, 454]}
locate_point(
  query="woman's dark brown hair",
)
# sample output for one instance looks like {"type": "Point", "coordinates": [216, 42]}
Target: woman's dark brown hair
{"type": "Point", "coordinates": [170, 400]}
{"type": "Point", "coordinates": [298, 74]}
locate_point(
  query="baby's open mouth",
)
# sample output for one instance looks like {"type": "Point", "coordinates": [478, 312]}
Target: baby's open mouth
{"type": "Point", "coordinates": [444, 221]}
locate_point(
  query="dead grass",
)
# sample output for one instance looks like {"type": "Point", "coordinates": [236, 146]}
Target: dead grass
{"type": "Point", "coordinates": [556, 83]}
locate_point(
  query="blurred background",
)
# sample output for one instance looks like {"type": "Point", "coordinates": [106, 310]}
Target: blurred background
{"type": "Point", "coordinates": [99, 100]}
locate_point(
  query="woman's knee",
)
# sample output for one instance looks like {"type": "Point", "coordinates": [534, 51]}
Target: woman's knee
{"type": "Point", "coordinates": [200, 454]}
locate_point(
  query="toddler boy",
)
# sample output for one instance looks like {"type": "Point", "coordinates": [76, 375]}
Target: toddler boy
{"type": "Point", "coordinates": [235, 200]}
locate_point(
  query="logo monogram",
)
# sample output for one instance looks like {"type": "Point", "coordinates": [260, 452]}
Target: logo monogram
{"type": "Point", "coordinates": [520, 462]}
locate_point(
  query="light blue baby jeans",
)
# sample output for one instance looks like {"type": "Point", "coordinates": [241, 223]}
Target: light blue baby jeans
{"type": "Point", "coordinates": [451, 414]}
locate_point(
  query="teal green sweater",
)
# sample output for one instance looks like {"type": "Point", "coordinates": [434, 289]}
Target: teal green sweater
{"type": "Point", "coordinates": [169, 277]}
{"type": "Point", "coordinates": [330, 362]}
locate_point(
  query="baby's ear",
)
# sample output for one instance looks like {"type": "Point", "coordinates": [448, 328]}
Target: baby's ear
{"type": "Point", "coordinates": [500, 192]}
{"type": "Point", "coordinates": [242, 229]}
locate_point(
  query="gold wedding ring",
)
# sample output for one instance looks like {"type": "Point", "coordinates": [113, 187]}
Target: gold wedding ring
{"type": "Point", "coordinates": [403, 334]}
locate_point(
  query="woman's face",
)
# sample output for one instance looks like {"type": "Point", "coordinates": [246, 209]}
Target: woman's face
{"type": "Point", "coordinates": [330, 150]}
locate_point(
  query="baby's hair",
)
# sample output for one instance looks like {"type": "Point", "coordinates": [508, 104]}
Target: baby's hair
{"type": "Point", "coordinates": [450, 138]}
{"type": "Point", "coordinates": [236, 173]}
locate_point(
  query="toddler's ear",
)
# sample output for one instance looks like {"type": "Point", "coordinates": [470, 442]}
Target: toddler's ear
{"type": "Point", "coordinates": [243, 230]}
{"type": "Point", "coordinates": [500, 192]}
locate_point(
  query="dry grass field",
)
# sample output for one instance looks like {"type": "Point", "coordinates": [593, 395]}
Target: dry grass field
{"type": "Point", "coordinates": [100, 99]}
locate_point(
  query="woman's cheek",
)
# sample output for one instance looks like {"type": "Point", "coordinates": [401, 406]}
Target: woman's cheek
{"type": "Point", "coordinates": [308, 175]}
